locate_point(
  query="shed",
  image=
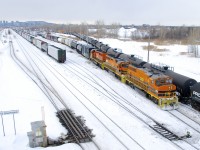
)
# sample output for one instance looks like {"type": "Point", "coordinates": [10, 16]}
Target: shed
{"type": "Point", "coordinates": [38, 136]}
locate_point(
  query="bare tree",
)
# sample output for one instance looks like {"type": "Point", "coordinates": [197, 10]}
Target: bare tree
{"type": "Point", "coordinates": [163, 32]}
{"type": "Point", "coordinates": [114, 30]}
{"type": "Point", "coordinates": [84, 28]}
{"type": "Point", "coordinates": [100, 28]}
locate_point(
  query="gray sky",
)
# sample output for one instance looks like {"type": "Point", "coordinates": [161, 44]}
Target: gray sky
{"type": "Point", "coordinates": [163, 12]}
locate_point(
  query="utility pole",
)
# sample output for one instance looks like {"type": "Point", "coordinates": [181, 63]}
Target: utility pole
{"type": "Point", "coordinates": [2, 124]}
{"type": "Point", "coordinates": [8, 113]}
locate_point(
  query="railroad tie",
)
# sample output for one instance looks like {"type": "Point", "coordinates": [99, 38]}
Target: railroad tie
{"type": "Point", "coordinates": [164, 132]}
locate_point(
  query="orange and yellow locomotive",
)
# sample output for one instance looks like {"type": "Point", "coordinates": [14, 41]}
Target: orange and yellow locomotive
{"type": "Point", "coordinates": [157, 86]}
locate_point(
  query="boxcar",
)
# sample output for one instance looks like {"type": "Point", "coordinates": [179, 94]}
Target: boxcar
{"type": "Point", "coordinates": [74, 44]}
{"type": "Point", "coordinates": [61, 40]}
{"type": "Point", "coordinates": [68, 42]}
{"type": "Point", "coordinates": [86, 49]}
{"type": "Point", "coordinates": [34, 41]}
{"type": "Point", "coordinates": [38, 43]}
{"type": "Point", "coordinates": [57, 53]}
{"type": "Point", "coordinates": [44, 46]}
{"type": "Point", "coordinates": [79, 48]}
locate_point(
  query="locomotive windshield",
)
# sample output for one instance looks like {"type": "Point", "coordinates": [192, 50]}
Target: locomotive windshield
{"type": "Point", "coordinates": [160, 82]}
{"type": "Point", "coordinates": [125, 65]}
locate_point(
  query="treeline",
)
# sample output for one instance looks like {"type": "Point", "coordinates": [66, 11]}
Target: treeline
{"type": "Point", "coordinates": [174, 32]}
{"type": "Point", "coordinates": [187, 35]}
{"type": "Point", "coordinates": [190, 34]}
{"type": "Point", "coordinates": [98, 29]}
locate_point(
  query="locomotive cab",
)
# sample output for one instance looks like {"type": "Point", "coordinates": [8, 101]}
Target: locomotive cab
{"type": "Point", "coordinates": [116, 65]}
{"type": "Point", "coordinates": [158, 87]}
{"type": "Point", "coordinates": [98, 57]}
{"type": "Point", "coordinates": [165, 92]}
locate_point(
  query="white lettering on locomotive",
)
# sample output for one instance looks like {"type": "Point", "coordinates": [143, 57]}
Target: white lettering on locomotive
{"type": "Point", "coordinates": [196, 93]}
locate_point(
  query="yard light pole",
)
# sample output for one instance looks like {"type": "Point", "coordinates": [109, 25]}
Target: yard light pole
{"type": "Point", "coordinates": [87, 33]}
{"type": "Point", "coordinates": [148, 43]}
{"type": "Point", "coordinates": [148, 49]}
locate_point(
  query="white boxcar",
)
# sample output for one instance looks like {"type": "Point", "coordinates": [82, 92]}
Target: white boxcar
{"type": "Point", "coordinates": [34, 41]}
{"type": "Point", "coordinates": [57, 53]}
{"type": "Point", "coordinates": [38, 43]}
{"type": "Point", "coordinates": [68, 42]}
{"type": "Point", "coordinates": [61, 40]}
{"type": "Point", "coordinates": [44, 46]}
{"type": "Point", "coordinates": [29, 38]}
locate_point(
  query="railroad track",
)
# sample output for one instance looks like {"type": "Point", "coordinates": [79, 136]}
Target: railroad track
{"type": "Point", "coordinates": [176, 116]}
{"type": "Point", "coordinates": [190, 108]}
{"type": "Point", "coordinates": [77, 127]}
{"type": "Point", "coordinates": [157, 127]}
{"type": "Point", "coordinates": [186, 120]}
{"type": "Point", "coordinates": [56, 73]}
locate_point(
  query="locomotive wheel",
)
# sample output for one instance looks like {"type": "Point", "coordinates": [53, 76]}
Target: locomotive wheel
{"type": "Point", "coordinates": [154, 100]}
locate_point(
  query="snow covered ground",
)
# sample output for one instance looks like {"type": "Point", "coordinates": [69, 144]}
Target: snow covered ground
{"type": "Point", "coordinates": [17, 91]}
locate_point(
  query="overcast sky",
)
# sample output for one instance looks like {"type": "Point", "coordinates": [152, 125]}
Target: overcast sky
{"type": "Point", "coordinates": [153, 12]}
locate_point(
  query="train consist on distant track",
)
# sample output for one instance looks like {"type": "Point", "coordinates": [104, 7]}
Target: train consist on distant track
{"type": "Point", "coordinates": [161, 85]}
{"type": "Point", "coordinates": [53, 51]}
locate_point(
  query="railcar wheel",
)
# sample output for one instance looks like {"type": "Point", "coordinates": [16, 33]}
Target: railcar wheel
{"type": "Point", "coordinates": [195, 105]}
{"type": "Point", "coordinates": [132, 86]}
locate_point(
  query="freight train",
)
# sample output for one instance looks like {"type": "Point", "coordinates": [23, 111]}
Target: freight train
{"type": "Point", "coordinates": [187, 89]}
{"type": "Point", "coordinates": [157, 86]}
{"type": "Point", "coordinates": [55, 52]}
{"type": "Point", "coordinates": [160, 84]}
